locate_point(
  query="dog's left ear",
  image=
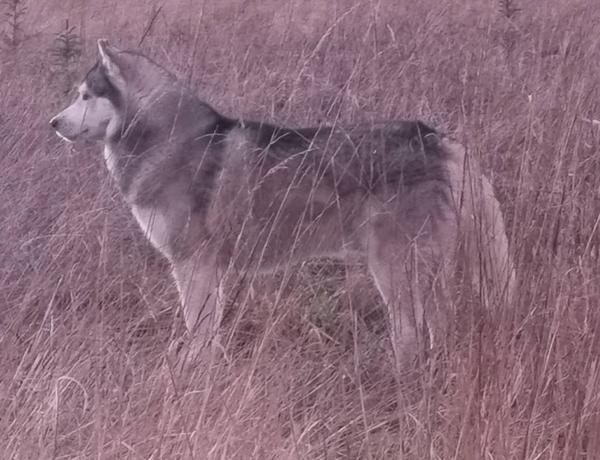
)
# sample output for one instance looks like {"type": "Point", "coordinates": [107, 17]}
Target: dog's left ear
{"type": "Point", "coordinates": [108, 57]}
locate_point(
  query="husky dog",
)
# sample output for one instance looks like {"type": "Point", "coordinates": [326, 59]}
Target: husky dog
{"type": "Point", "coordinates": [215, 194]}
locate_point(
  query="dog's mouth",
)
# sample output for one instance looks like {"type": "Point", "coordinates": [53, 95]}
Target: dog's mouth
{"type": "Point", "coordinates": [71, 139]}
{"type": "Point", "coordinates": [68, 139]}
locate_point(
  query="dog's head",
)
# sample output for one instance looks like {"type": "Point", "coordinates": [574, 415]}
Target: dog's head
{"type": "Point", "coordinates": [122, 91]}
{"type": "Point", "coordinates": [98, 98]}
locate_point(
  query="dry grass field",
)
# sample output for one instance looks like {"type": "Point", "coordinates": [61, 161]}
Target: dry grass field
{"type": "Point", "coordinates": [88, 311]}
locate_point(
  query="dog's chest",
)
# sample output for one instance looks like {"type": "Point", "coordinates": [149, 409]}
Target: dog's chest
{"type": "Point", "coordinates": [154, 225]}
{"type": "Point", "coordinates": [111, 159]}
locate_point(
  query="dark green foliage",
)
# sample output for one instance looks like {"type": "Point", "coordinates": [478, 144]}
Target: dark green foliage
{"type": "Point", "coordinates": [508, 8]}
{"type": "Point", "coordinates": [14, 12]}
{"type": "Point", "coordinates": [65, 54]}
{"type": "Point", "coordinates": [67, 47]}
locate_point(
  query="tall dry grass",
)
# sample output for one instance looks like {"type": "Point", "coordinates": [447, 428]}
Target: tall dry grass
{"type": "Point", "coordinates": [88, 310]}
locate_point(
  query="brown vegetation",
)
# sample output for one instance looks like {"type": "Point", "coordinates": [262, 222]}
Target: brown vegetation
{"type": "Point", "coordinates": [88, 310]}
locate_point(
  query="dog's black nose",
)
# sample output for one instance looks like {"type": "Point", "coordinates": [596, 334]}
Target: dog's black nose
{"type": "Point", "coordinates": [54, 123]}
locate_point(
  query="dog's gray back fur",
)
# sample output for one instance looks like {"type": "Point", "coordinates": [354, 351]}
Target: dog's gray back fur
{"type": "Point", "coordinates": [214, 193]}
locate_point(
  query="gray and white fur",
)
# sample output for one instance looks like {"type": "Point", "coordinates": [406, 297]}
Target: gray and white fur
{"type": "Point", "coordinates": [215, 194]}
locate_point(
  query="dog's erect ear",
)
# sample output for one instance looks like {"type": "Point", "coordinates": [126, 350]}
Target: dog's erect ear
{"type": "Point", "coordinates": [108, 57]}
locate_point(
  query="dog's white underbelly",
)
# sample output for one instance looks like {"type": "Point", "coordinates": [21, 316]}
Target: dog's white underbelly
{"type": "Point", "coordinates": [154, 225]}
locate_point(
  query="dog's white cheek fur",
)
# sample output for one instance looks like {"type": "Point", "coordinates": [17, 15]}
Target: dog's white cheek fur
{"type": "Point", "coordinates": [71, 120]}
{"type": "Point", "coordinates": [87, 118]}
{"type": "Point", "coordinates": [97, 115]}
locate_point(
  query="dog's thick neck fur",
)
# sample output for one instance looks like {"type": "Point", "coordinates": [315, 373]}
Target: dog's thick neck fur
{"type": "Point", "coordinates": [149, 134]}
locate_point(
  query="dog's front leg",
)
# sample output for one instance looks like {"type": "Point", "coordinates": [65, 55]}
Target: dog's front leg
{"type": "Point", "coordinates": [198, 281]}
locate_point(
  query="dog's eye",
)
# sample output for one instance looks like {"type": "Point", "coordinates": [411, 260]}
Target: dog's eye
{"type": "Point", "coordinates": [85, 96]}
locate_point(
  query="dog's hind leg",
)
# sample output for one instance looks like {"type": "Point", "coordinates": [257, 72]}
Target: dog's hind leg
{"type": "Point", "coordinates": [407, 265]}
{"type": "Point", "coordinates": [400, 284]}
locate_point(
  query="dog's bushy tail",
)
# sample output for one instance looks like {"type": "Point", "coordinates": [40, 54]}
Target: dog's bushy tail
{"type": "Point", "coordinates": [482, 227]}
{"type": "Point", "coordinates": [496, 274]}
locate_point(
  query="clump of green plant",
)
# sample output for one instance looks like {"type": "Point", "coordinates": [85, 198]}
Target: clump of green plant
{"type": "Point", "coordinates": [508, 8]}
{"type": "Point", "coordinates": [510, 35]}
{"type": "Point", "coordinates": [14, 13]}
{"type": "Point", "coordinates": [66, 52]}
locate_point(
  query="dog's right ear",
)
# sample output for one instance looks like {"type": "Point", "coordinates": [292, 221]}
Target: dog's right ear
{"type": "Point", "coordinates": [108, 58]}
